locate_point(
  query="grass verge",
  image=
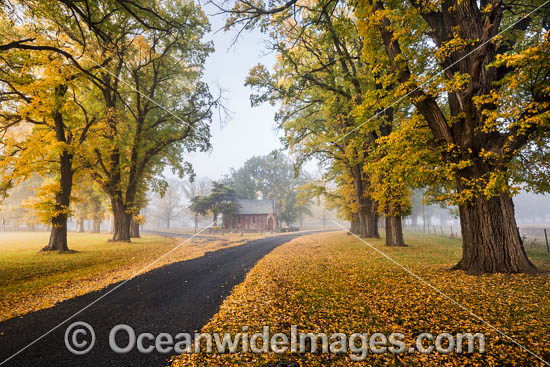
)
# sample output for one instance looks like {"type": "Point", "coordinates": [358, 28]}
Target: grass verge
{"type": "Point", "coordinates": [333, 283]}
{"type": "Point", "coordinates": [31, 280]}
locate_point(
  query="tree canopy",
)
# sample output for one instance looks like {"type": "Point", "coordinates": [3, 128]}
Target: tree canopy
{"type": "Point", "coordinates": [448, 95]}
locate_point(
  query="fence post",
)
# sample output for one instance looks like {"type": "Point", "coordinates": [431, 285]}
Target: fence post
{"type": "Point", "coordinates": [443, 234]}
{"type": "Point", "coordinates": [451, 231]}
{"type": "Point", "coordinates": [546, 237]}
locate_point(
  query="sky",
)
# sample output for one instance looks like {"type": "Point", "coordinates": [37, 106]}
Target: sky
{"type": "Point", "coordinates": [250, 131]}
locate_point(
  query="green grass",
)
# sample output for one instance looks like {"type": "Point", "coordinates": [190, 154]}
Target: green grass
{"type": "Point", "coordinates": [24, 269]}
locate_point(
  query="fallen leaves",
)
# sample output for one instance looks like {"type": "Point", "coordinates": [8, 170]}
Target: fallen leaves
{"type": "Point", "coordinates": [334, 283]}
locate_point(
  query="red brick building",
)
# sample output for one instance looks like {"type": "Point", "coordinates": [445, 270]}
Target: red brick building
{"type": "Point", "coordinates": [258, 215]}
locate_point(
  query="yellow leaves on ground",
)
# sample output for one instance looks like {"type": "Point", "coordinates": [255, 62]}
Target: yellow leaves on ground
{"type": "Point", "coordinates": [30, 282]}
{"type": "Point", "coordinates": [335, 283]}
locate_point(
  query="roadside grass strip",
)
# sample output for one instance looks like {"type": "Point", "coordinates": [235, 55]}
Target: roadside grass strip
{"type": "Point", "coordinates": [31, 280]}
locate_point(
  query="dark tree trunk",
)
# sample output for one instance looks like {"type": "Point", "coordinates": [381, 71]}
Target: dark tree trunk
{"type": "Point", "coordinates": [58, 234]}
{"type": "Point", "coordinates": [375, 218]}
{"type": "Point", "coordinates": [367, 227]}
{"type": "Point", "coordinates": [394, 231]}
{"type": "Point", "coordinates": [355, 225]}
{"type": "Point", "coordinates": [370, 217]}
{"type": "Point", "coordinates": [58, 237]}
{"type": "Point", "coordinates": [96, 226]}
{"type": "Point", "coordinates": [491, 239]}
{"type": "Point", "coordinates": [134, 229]}
{"type": "Point", "coordinates": [362, 222]}
{"type": "Point", "coordinates": [122, 221]}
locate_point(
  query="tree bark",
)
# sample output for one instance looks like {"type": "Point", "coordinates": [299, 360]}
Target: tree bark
{"type": "Point", "coordinates": [355, 225]}
{"type": "Point", "coordinates": [58, 234]}
{"type": "Point", "coordinates": [214, 219]}
{"type": "Point", "coordinates": [370, 217]}
{"type": "Point", "coordinates": [122, 221]}
{"type": "Point", "coordinates": [491, 242]}
{"type": "Point", "coordinates": [394, 231]}
{"type": "Point", "coordinates": [58, 237]}
{"type": "Point", "coordinates": [111, 224]}
{"type": "Point", "coordinates": [375, 217]}
{"type": "Point", "coordinates": [134, 229]}
{"type": "Point", "coordinates": [366, 208]}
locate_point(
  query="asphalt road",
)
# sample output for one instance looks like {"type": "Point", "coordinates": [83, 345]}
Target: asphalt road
{"type": "Point", "coordinates": [177, 298]}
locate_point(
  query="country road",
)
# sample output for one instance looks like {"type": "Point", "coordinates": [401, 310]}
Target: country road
{"type": "Point", "coordinates": [180, 297]}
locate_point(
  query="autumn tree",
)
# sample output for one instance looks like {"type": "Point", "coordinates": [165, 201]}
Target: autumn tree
{"type": "Point", "coordinates": [42, 102]}
{"type": "Point", "coordinates": [47, 68]}
{"type": "Point", "coordinates": [470, 105]}
{"type": "Point", "coordinates": [321, 81]}
{"type": "Point", "coordinates": [338, 192]}
{"type": "Point", "coordinates": [221, 200]}
{"type": "Point", "coordinates": [156, 107]}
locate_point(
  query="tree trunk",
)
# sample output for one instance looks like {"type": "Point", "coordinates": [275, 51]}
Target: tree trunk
{"type": "Point", "coordinates": [58, 237]}
{"type": "Point", "coordinates": [134, 229]}
{"type": "Point", "coordinates": [96, 226]}
{"type": "Point", "coordinates": [111, 224]}
{"type": "Point", "coordinates": [394, 231]}
{"type": "Point", "coordinates": [355, 225]}
{"type": "Point", "coordinates": [362, 222]}
{"type": "Point", "coordinates": [375, 217]}
{"type": "Point", "coordinates": [367, 222]}
{"type": "Point", "coordinates": [369, 219]}
{"type": "Point", "coordinates": [80, 225]}
{"type": "Point", "coordinates": [58, 234]}
{"type": "Point", "coordinates": [122, 221]}
{"type": "Point", "coordinates": [491, 239]}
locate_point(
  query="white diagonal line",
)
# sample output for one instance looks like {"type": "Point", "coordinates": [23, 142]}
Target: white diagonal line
{"type": "Point", "coordinates": [442, 71]}
{"type": "Point", "coordinates": [104, 295]}
{"type": "Point", "coordinates": [446, 296]}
